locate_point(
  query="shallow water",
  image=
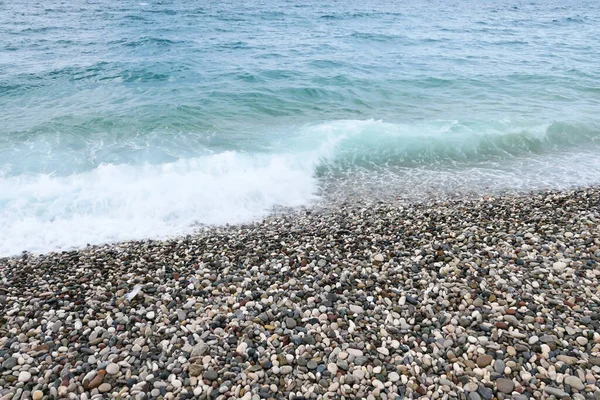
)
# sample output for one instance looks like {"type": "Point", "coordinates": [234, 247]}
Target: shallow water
{"type": "Point", "coordinates": [125, 120]}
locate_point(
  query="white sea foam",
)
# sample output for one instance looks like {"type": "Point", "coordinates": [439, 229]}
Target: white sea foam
{"type": "Point", "coordinates": [116, 202]}
{"type": "Point", "coordinates": [122, 202]}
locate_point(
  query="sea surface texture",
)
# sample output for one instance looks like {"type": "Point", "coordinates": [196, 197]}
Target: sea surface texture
{"type": "Point", "coordinates": [127, 120]}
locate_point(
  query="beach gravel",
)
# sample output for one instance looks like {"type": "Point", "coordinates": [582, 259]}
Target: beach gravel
{"type": "Point", "coordinates": [488, 298]}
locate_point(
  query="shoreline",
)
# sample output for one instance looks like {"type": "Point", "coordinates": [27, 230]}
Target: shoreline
{"type": "Point", "coordinates": [322, 207]}
{"type": "Point", "coordinates": [474, 298]}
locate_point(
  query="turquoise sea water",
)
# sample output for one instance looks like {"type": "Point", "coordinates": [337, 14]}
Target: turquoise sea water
{"type": "Point", "coordinates": [145, 119]}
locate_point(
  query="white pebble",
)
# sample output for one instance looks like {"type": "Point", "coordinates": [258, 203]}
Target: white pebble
{"type": "Point", "coordinates": [24, 376]}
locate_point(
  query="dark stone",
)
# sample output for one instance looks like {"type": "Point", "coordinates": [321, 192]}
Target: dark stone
{"type": "Point", "coordinates": [474, 396]}
{"type": "Point", "coordinates": [485, 393]}
{"type": "Point", "coordinates": [9, 363]}
{"type": "Point", "coordinates": [290, 323]}
{"type": "Point", "coordinates": [505, 385]}
{"type": "Point", "coordinates": [499, 366]}
{"type": "Point", "coordinates": [210, 375]}
{"type": "Point", "coordinates": [343, 364]}
{"type": "Point", "coordinates": [302, 361]}
{"type": "Point", "coordinates": [309, 339]}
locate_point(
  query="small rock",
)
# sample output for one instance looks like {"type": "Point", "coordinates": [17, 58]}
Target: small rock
{"type": "Point", "coordinates": [210, 375]}
{"type": "Point", "coordinates": [105, 387]}
{"type": "Point", "coordinates": [9, 363]}
{"type": "Point", "coordinates": [484, 360]}
{"type": "Point", "coordinates": [533, 339]}
{"type": "Point", "coordinates": [195, 369]}
{"type": "Point", "coordinates": [474, 396]}
{"type": "Point", "coordinates": [505, 385]}
{"type": "Point", "coordinates": [309, 339]}
{"type": "Point", "coordinates": [332, 368]}
{"type": "Point", "coordinates": [112, 369]}
{"type": "Point", "coordinates": [574, 382]}
{"type": "Point", "coordinates": [354, 352]}
{"type": "Point", "coordinates": [556, 392]}
{"type": "Point", "coordinates": [199, 350]}
{"type": "Point", "coordinates": [393, 377]}
{"type": "Point", "coordinates": [485, 393]}
{"type": "Point", "coordinates": [499, 366]}
{"type": "Point", "coordinates": [567, 359]}
{"type": "Point", "coordinates": [559, 266]}
{"type": "Point", "coordinates": [24, 376]}
{"type": "Point", "coordinates": [241, 348]}
{"type": "Point", "coordinates": [356, 309]}
{"type": "Point", "coordinates": [383, 350]}
{"type": "Point", "coordinates": [343, 364]}
{"type": "Point", "coordinates": [290, 323]}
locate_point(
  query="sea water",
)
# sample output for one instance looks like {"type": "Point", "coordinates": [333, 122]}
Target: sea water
{"type": "Point", "coordinates": [128, 120]}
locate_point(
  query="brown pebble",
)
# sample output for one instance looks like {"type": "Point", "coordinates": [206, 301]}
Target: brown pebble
{"type": "Point", "coordinates": [484, 360]}
{"type": "Point", "coordinates": [97, 381]}
{"type": "Point", "coordinates": [501, 325]}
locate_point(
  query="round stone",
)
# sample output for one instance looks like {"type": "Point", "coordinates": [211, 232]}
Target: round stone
{"type": "Point", "coordinates": [485, 393]}
{"type": "Point", "coordinates": [37, 395]}
{"type": "Point", "coordinates": [105, 387]}
{"type": "Point", "coordinates": [545, 349]}
{"type": "Point", "coordinates": [393, 377]}
{"type": "Point", "coordinates": [484, 360]}
{"type": "Point", "coordinates": [24, 376]}
{"type": "Point", "coordinates": [354, 352]}
{"type": "Point", "coordinates": [9, 363]}
{"type": "Point", "coordinates": [334, 387]}
{"type": "Point", "coordinates": [574, 382]}
{"type": "Point", "coordinates": [534, 339]}
{"type": "Point", "coordinates": [343, 364]}
{"type": "Point", "coordinates": [332, 368]}
{"type": "Point", "coordinates": [241, 348]}
{"type": "Point", "coordinates": [505, 385]}
{"type": "Point", "coordinates": [359, 374]}
{"type": "Point", "coordinates": [499, 366]}
{"type": "Point", "coordinates": [210, 375]}
{"type": "Point", "coordinates": [383, 350]}
{"type": "Point", "coordinates": [112, 369]}
{"type": "Point", "coordinates": [286, 369]}
{"type": "Point", "coordinates": [290, 323]}
{"type": "Point", "coordinates": [559, 265]}
{"type": "Point", "coordinates": [356, 309]}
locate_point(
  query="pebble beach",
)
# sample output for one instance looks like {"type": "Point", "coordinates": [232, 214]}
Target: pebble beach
{"type": "Point", "coordinates": [487, 298]}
